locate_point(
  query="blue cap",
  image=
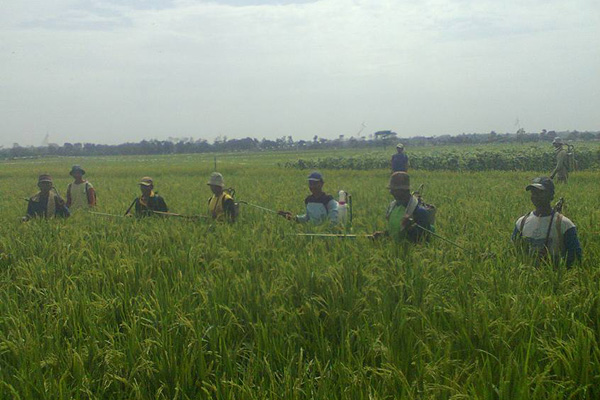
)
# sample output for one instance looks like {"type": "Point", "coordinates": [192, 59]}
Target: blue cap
{"type": "Point", "coordinates": [315, 176]}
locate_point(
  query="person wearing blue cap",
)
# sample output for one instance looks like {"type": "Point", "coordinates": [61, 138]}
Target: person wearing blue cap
{"type": "Point", "coordinates": [545, 232]}
{"type": "Point", "coordinates": [320, 207]}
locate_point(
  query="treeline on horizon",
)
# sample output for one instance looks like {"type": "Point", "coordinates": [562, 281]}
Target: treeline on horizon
{"type": "Point", "coordinates": [377, 140]}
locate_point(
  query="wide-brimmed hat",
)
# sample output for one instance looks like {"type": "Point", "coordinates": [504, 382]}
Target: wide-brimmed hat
{"type": "Point", "coordinates": [146, 181]}
{"type": "Point", "coordinates": [315, 177]}
{"type": "Point", "coordinates": [542, 183]}
{"type": "Point", "coordinates": [557, 140]}
{"type": "Point", "coordinates": [76, 168]}
{"type": "Point", "coordinates": [44, 178]}
{"type": "Point", "coordinates": [399, 180]}
{"type": "Point", "coordinates": [216, 179]}
{"type": "Point", "coordinates": [399, 146]}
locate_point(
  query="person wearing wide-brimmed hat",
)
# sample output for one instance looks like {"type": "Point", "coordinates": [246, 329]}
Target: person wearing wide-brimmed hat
{"type": "Point", "coordinates": [80, 192]}
{"type": "Point", "coordinates": [400, 159]}
{"type": "Point", "coordinates": [405, 216]}
{"type": "Point", "coordinates": [221, 206]}
{"type": "Point", "coordinates": [561, 171]}
{"type": "Point", "coordinates": [544, 231]}
{"type": "Point", "coordinates": [320, 206]}
{"type": "Point", "coordinates": [149, 201]}
{"type": "Point", "coordinates": [47, 203]}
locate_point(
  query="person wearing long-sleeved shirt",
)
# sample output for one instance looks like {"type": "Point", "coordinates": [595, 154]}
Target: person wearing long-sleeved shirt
{"type": "Point", "coordinates": [399, 160]}
{"type": "Point", "coordinates": [561, 171]}
{"type": "Point", "coordinates": [46, 203]}
{"type": "Point", "coordinates": [407, 219]}
{"type": "Point", "coordinates": [149, 203]}
{"type": "Point", "coordinates": [319, 206]}
{"type": "Point", "coordinates": [545, 232]}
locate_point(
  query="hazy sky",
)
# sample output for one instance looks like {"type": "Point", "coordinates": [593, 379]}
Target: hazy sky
{"type": "Point", "coordinates": [113, 71]}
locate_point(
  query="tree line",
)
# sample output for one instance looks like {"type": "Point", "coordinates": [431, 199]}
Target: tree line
{"type": "Point", "coordinates": [222, 144]}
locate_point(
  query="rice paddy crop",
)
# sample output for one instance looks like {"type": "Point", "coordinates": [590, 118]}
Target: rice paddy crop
{"type": "Point", "coordinates": [118, 308]}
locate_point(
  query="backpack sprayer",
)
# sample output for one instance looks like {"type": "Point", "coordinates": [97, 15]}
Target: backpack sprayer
{"type": "Point", "coordinates": [571, 162]}
{"type": "Point", "coordinates": [345, 209]}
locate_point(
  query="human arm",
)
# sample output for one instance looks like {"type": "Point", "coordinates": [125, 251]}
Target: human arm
{"type": "Point", "coordinates": [91, 196]}
{"type": "Point", "coordinates": [61, 209]}
{"type": "Point", "coordinates": [301, 218]}
{"type": "Point", "coordinates": [515, 234]}
{"type": "Point", "coordinates": [69, 199]}
{"type": "Point", "coordinates": [561, 160]}
{"type": "Point", "coordinates": [572, 246]}
{"type": "Point", "coordinates": [332, 211]}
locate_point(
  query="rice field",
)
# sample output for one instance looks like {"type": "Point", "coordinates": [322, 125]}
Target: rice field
{"type": "Point", "coordinates": [99, 307]}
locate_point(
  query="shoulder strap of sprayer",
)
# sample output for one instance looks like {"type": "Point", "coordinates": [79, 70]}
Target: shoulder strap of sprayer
{"type": "Point", "coordinates": [522, 224]}
{"type": "Point", "coordinates": [549, 229]}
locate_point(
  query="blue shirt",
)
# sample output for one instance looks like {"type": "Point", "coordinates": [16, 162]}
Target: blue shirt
{"type": "Point", "coordinates": [320, 209]}
{"type": "Point", "coordinates": [399, 162]}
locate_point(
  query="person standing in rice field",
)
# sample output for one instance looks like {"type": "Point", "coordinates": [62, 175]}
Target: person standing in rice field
{"type": "Point", "coordinates": [399, 160]}
{"type": "Point", "coordinates": [405, 216]}
{"type": "Point", "coordinates": [561, 171]}
{"type": "Point", "coordinates": [221, 206]}
{"type": "Point", "coordinates": [80, 192]}
{"type": "Point", "coordinates": [545, 232]}
{"type": "Point", "coordinates": [320, 206]}
{"type": "Point", "coordinates": [149, 201]}
{"type": "Point", "coordinates": [47, 203]}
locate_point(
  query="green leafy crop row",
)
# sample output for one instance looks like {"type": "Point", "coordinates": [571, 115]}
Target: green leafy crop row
{"type": "Point", "coordinates": [530, 159]}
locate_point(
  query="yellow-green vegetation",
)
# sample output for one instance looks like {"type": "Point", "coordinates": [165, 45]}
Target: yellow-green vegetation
{"type": "Point", "coordinates": [162, 308]}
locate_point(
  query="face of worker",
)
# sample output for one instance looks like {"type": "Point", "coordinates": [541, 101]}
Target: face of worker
{"type": "Point", "coordinates": [77, 175]}
{"type": "Point", "coordinates": [146, 190]}
{"type": "Point", "coordinates": [315, 187]}
{"type": "Point", "coordinates": [217, 190]}
{"type": "Point", "coordinates": [540, 198]}
{"type": "Point", "coordinates": [401, 195]}
{"type": "Point", "coordinates": [45, 186]}
{"type": "Point", "coordinates": [399, 149]}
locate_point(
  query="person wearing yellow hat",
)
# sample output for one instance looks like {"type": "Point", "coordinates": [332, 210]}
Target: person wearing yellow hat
{"type": "Point", "coordinates": [149, 201]}
{"type": "Point", "coordinates": [221, 206]}
{"type": "Point", "coordinates": [47, 203]}
{"type": "Point", "coordinates": [406, 217]}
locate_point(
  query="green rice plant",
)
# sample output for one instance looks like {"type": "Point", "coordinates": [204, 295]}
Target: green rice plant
{"type": "Point", "coordinates": [119, 308]}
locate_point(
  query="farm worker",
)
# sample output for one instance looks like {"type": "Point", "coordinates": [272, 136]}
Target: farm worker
{"type": "Point", "coordinates": [149, 201]}
{"type": "Point", "coordinates": [405, 214]}
{"type": "Point", "coordinates": [400, 159]}
{"type": "Point", "coordinates": [221, 206]}
{"type": "Point", "coordinates": [545, 232]}
{"type": "Point", "coordinates": [46, 203]}
{"type": "Point", "coordinates": [80, 193]}
{"type": "Point", "coordinates": [562, 166]}
{"type": "Point", "coordinates": [319, 206]}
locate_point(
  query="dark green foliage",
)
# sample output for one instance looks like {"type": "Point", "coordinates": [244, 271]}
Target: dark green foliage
{"type": "Point", "coordinates": [529, 159]}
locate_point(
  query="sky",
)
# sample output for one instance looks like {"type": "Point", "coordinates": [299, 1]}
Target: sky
{"type": "Point", "coordinates": [117, 71]}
